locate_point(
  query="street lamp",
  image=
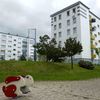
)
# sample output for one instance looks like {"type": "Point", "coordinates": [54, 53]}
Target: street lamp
{"type": "Point", "coordinates": [35, 57]}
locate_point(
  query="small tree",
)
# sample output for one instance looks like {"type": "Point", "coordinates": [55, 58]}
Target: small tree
{"type": "Point", "coordinates": [22, 58]}
{"type": "Point", "coordinates": [48, 48]}
{"type": "Point", "coordinates": [72, 47]}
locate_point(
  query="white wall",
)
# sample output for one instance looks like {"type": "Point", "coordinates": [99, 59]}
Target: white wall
{"type": "Point", "coordinates": [83, 29]}
{"type": "Point", "coordinates": [85, 33]}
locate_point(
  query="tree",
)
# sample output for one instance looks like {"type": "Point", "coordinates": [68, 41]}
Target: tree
{"type": "Point", "coordinates": [55, 54]}
{"type": "Point", "coordinates": [71, 48]}
{"type": "Point", "coordinates": [42, 46]}
{"type": "Point", "coordinates": [22, 57]}
{"type": "Point", "coordinates": [48, 48]}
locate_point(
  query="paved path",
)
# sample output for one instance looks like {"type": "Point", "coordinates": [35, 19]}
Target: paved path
{"type": "Point", "coordinates": [62, 90]}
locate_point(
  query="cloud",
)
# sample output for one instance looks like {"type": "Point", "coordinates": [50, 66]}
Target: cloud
{"type": "Point", "coordinates": [16, 16]}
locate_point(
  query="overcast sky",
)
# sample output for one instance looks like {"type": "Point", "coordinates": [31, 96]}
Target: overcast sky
{"type": "Point", "coordinates": [17, 16]}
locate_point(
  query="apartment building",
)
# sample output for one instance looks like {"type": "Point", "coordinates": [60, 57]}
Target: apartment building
{"type": "Point", "coordinates": [13, 46]}
{"type": "Point", "coordinates": [77, 21]}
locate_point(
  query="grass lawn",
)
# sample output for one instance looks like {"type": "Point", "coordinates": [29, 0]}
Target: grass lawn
{"type": "Point", "coordinates": [46, 71]}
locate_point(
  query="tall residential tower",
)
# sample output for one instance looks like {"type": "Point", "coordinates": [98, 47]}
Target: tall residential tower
{"type": "Point", "coordinates": [77, 21]}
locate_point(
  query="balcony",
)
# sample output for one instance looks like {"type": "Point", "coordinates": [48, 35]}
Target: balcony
{"type": "Point", "coordinates": [92, 37]}
{"type": "Point", "coordinates": [93, 56]}
{"type": "Point", "coordinates": [93, 20]}
{"type": "Point", "coordinates": [94, 28]}
{"type": "Point", "coordinates": [2, 52]}
{"type": "Point", "coordinates": [3, 48]}
{"type": "Point", "coordinates": [93, 46]}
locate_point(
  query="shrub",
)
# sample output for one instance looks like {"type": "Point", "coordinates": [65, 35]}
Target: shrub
{"type": "Point", "coordinates": [59, 60]}
{"type": "Point", "coordinates": [86, 64]}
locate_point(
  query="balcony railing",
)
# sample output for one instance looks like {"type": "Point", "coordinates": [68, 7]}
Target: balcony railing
{"type": "Point", "coordinates": [93, 55]}
{"type": "Point", "coordinates": [93, 20]}
{"type": "Point", "coordinates": [93, 46]}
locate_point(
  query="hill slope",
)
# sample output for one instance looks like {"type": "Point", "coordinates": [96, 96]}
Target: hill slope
{"type": "Point", "coordinates": [46, 71]}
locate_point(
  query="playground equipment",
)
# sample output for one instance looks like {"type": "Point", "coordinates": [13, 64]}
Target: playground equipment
{"type": "Point", "coordinates": [17, 85]}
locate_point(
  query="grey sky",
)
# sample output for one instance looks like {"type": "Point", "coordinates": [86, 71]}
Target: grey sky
{"type": "Point", "coordinates": [16, 16]}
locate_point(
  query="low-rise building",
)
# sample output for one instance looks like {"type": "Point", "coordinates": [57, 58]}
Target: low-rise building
{"type": "Point", "coordinates": [14, 46]}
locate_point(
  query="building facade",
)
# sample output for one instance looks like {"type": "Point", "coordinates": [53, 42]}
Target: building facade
{"type": "Point", "coordinates": [77, 21]}
{"type": "Point", "coordinates": [14, 46]}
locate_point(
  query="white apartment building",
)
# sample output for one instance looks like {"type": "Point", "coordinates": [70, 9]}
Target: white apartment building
{"type": "Point", "coordinates": [13, 46]}
{"type": "Point", "coordinates": [77, 21]}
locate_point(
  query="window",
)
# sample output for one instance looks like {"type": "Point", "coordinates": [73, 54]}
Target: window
{"type": "Point", "coordinates": [31, 41]}
{"type": "Point", "coordinates": [98, 33]}
{"type": "Point", "coordinates": [3, 46]}
{"type": "Point", "coordinates": [68, 13]}
{"type": "Point", "coordinates": [59, 17]}
{"type": "Point", "coordinates": [19, 51]}
{"type": "Point", "coordinates": [55, 19]}
{"type": "Point", "coordinates": [74, 20]}
{"type": "Point", "coordinates": [14, 39]}
{"type": "Point", "coordinates": [94, 28]}
{"type": "Point", "coordinates": [10, 36]}
{"type": "Point", "coordinates": [95, 35]}
{"type": "Point", "coordinates": [68, 22]}
{"type": "Point", "coordinates": [14, 54]}
{"type": "Point", "coordinates": [74, 10]}
{"type": "Point", "coordinates": [9, 46]}
{"type": "Point", "coordinates": [19, 42]}
{"type": "Point", "coordinates": [74, 30]}
{"type": "Point", "coordinates": [55, 35]}
{"type": "Point", "coordinates": [19, 47]}
{"type": "Point", "coordinates": [32, 49]}
{"type": "Point", "coordinates": [14, 44]}
{"type": "Point", "coordinates": [19, 38]}
{"type": "Point", "coordinates": [96, 43]}
{"type": "Point", "coordinates": [3, 36]}
{"type": "Point", "coordinates": [60, 34]}
{"type": "Point", "coordinates": [24, 42]}
{"type": "Point", "coordinates": [9, 51]}
{"type": "Point", "coordinates": [68, 32]}
{"type": "Point", "coordinates": [60, 25]}
{"type": "Point", "coordinates": [55, 27]}
{"type": "Point", "coordinates": [4, 41]}
{"type": "Point", "coordinates": [9, 56]}
{"type": "Point", "coordinates": [14, 49]}
{"type": "Point", "coordinates": [2, 50]}
{"type": "Point", "coordinates": [9, 41]}
{"type": "Point", "coordinates": [60, 43]}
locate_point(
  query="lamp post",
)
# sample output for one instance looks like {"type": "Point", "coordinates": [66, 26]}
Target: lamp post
{"type": "Point", "coordinates": [35, 57]}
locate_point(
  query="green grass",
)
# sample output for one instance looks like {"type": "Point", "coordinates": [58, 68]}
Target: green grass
{"type": "Point", "coordinates": [46, 71]}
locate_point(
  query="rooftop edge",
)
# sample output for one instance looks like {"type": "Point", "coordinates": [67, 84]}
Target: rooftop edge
{"type": "Point", "coordinates": [75, 4]}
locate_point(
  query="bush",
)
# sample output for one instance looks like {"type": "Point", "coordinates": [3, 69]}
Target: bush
{"type": "Point", "coordinates": [86, 64]}
{"type": "Point", "coordinates": [59, 60]}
